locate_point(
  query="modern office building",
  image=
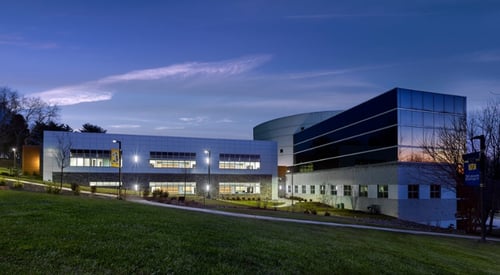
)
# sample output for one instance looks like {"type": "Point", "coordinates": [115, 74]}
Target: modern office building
{"type": "Point", "coordinates": [282, 130]}
{"type": "Point", "coordinates": [178, 165]}
{"type": "Point", "coordinates": [371, 156]}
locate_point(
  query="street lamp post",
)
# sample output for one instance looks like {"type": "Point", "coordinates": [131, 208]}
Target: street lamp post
{"type": "Point", "coordinates": [482, 161]}
{"type": "Point", "coordinates": [119, 167]}
{"type": "Point", "coordinates": [291, 176]}
{"type": "Point", "coordinates": [14, 164]}
{"type": "Point", "coordinates": [209, 160]}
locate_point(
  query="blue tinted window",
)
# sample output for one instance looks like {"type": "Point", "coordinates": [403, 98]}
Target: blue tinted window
{"type": "Point", "coordinates": [438, 120]}
{"type": "Point", "coordinates": [417, 136]}
{"type": "Point", "coordinates": [416, 100]}
{"type": "Point", "coordinates": [404, 99]}
{"type": "Point", "coordinates": [428, 119]}
{"type": "Point", "coordinates": [439, 103]}
{"type": "Point", "coordinates": [460, 105]}
{"type": "Point", "coordinates": [405, 118]}
{"type": "Point", "coordinates": [449, 104]}
{"type": "Point", "coordinates": [429, 136]}
{"type": "Point", "coordinates": [417, 119]}
{"type": "Point", "coordinates": [428, 102]}
{"type": "Point", "coordinates": [405, 136]}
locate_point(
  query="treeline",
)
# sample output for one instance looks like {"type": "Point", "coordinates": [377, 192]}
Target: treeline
{"type": "Point", "coordinates": [23, 120]}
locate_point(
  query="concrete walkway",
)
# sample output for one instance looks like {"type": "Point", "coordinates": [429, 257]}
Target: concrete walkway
{"type": "Point", "coordinates": [267, 218]}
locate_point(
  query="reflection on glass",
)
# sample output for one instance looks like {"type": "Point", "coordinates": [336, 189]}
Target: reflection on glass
{"type": "Point", "coordinates": [404, 118]}
{"type": "Point", "coordinates": [405, 99]}
{"type": "Point", "coordinates": [428, 120]}
{"type": "Point", "coordinates": [405, 136]}
{"type": "Point", "coordinates": [416, 100]}
{"type": "Point", "coordinates": [417, 136]}
{"type": "Point", "coordinates": [460, 105]}
{"type": "Point", "coordinates": [417, 119]}
{"type": "Point", "coordinates": [438, 103]}
{"type": "Point", "coordinates": [438, 120]}
{"type": "Point", "coordinates": [449, 103]}
{"type": "Point", "coordinates": [428, 102]}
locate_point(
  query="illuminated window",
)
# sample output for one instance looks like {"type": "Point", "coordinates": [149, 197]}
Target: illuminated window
{"type": "Point", "coordinates": [174, 187]}
{"type": "Point", "coordinates": [289, 188]}
{"type": "Point", "coordinates": [239, 188]}
{"type": "Point", "coordinates": [383, 191]}
{"type": "Point", "coordinates": [89, 158]}
{"type": "Point", "coordinates": [172, 160]}
{"type": "Point", "coordinates": [313, 189]}
{"type": "Point", "coordinates": [239, 162]}
{"type": "Point", "coordinates": [413, 191]}
{"type": "Point", "coordinates": [322, 189]}
{"type": "Point", "coordinates": [347, 190]}
{"type": "Point", "coordinates": [435, 191]}
{"type": "Point", "coordinates": [363, 190]}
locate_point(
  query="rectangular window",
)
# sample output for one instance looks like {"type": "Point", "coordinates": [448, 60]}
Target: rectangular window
{"type": "Point", "coordinates": [174, 187]}
{"type": "Point", "coordinates": [239, 188]}
{"type": "Point", "coordinates": [296, 189]}
{"type": "Point", "coordinates": [172, 159]}
{"type": "Point", "coordinates": [435, 191]}
{"type": "Point", "coordinates": [90, 158]}
{"type": "Point", "coordinates": [413, 191]}
{"type": "Point", "coordinates": [313, 189]}
{"type": "Point", "coordinates": [239, 161]}
{"type": "Point", "coordinates": [383, 191]}
{"type": "Point", "coordinates": [289, 188]}
{"type": "Point", "coordinates": [363, 190]}
{"type": "Point", "coordinates": [333, 190]}
{"type": "Point", "coordinates": [303, 189]}
{"type": "Point", "coordinates": [322, 189]}
{"type": "Point", "coordinates": [347, 190]}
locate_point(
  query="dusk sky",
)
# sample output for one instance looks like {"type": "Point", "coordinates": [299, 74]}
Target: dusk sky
{"type": "Point", "coordinates": [219, 68]}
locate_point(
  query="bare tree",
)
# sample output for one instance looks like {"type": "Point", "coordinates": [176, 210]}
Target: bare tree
{"type": "Point", "coordinates": [35, 110]}
{"type": "Point", "coordinates": [445, 149]}
{"type": "Point", "coordinates": [487, 122]}
{"type": "Point", "coordinates": [62, 155]}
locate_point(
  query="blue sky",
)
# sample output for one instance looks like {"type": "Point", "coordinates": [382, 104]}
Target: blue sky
{"type": "Point", "coordinates": [218, 68]}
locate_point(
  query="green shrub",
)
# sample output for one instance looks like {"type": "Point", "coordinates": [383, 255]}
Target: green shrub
{"type": "Point", "coordinates": [3, 182]}
{"type": "Point", "coordinates": [164, 194]}
{"type": "Point", "coordinates": [18, 185]}
{"type": "Point", "coordinates": [156, 193]}
{"type": "Point", "coordinates": [327, 213]}
{"type": "Point", "coordinates": [52, 188]}
{"type": "Point", "coordinates": [145, 192]}
{"type": "Point", "coordinates": [76, 189]}
{"type": "Point", "coordinates": [93, 189]}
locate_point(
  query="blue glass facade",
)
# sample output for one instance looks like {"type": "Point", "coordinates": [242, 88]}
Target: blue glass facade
{"type": "Point", "coordinates": [389, 127]}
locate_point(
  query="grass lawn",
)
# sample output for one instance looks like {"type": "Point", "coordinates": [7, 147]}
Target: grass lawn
{"type": "Point", "coordinates": [55, 234]}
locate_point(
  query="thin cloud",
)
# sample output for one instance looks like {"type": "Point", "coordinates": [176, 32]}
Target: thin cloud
{"type": "Point", "coordinates": [70, 95]}
{"type": "Point", "coordinates": [326, 16]}
{"type": "Point", "coordinates": [199, 119]}
{"type": "Point", "coordinates": [19, 41]}
{"type": "Point", "coordinates": [125, 126]}
{"type": "Point", "coordinates": [98, 90]}
{"type": "Point", "coordinates": [316, 74]}
{"type": "Point", "coordinates": [486, 56]}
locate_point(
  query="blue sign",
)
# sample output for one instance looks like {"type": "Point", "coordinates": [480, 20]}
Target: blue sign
{"type": "Point", "coordinates": [472, 169]}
